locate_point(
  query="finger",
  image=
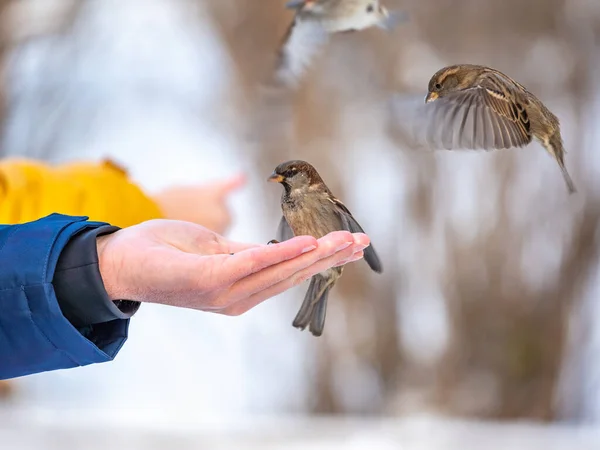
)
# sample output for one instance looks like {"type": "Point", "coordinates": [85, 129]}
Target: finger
{"type": "Point", "coordinates": [361, 240]}
{"type": "Point", "coordinates": [333, 243]}
{"type": "Point", "coordinates": [355, 257]}
{"type": "Point", "coordinates": [252, 260]}
{"type": "Point", "coordinates": [229, 185]}
{"type": "Point", "coordinates": [257, 298]}
{"type": "Point", "coordinates": [235, 247]}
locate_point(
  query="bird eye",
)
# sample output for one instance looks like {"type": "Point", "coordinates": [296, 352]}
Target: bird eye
{"type": "Point", "coordinates": [438, 86]}
{"type": "Point", "coordinates": [370, 8]}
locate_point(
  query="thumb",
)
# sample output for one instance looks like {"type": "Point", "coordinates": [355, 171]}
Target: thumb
{"type": "Point", "coordinates": [231, 184]}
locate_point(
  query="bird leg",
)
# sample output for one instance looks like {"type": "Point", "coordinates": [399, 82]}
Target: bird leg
{"type": "Point", "coordinates": [317, 297]}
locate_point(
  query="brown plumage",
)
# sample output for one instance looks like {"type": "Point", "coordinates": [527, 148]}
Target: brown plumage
{"type": "Point", "coordinates": [309, 208]}
{"type": "Point", "coordinates": [477, 107]}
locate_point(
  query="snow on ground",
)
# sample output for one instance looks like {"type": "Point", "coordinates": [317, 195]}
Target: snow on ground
{"type": "Point", "coordinates": [419, 433]}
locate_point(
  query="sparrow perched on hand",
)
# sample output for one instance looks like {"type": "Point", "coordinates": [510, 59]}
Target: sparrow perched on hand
{"type": "Point", "coordinates": [315, 21]}
{"type": "Point", "coordinates": [477, 107]}
{"type": "Point", "coordinates": [309, 208]}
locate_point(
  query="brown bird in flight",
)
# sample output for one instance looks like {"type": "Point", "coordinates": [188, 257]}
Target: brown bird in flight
{"type": "Point", "coordinates": [477, 107]}
{"type": "Point", "coordinates": [309, 208]}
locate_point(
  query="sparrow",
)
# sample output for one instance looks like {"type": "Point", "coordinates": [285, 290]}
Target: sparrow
{"type": "Point", "coordinates": [309, 208]}
{"type": "Point", "coordinates": [315, 21]}
{"type": "Point", "coordinates": [476, 107]}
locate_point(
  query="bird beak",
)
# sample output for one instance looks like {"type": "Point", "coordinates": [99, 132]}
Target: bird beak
{"type": "Point", "coordinates": [431, 97]}
{"type": "Point", "coordinates": [275, 178]}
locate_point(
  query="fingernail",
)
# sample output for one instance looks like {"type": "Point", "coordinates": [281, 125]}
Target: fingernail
{"type": "Point", "coordinates": [359, 247]}
{"type": "Point", "coordinates": [343, 246]}
{"type": "Point", "coordinates": [309, 249]}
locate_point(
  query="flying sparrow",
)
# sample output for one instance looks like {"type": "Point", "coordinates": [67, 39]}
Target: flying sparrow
{"type": "Point", "coordinates": [315, 21]}
{"type": "Point", "coordinates": [309, 208]}
{"type": "Point", "coordinates": [272, 122]}
{"type": "Point", "coordinates": [477, 107]}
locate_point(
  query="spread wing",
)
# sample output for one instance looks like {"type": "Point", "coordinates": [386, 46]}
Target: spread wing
{"type": "Point", "coordinates": [284, 232]}
{"type": "Point", "coordinates": [476, 118]}
{"type": "Point", "coordinates": [349, 223]}
{"type": "Point", "coordinates": [303, 42]}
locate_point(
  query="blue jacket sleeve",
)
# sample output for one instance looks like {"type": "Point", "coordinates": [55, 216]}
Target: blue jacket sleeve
{"type": "Point", "coordinates": [35, 336]}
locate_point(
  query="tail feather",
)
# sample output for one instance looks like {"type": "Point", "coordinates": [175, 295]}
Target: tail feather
{"type": "Point", "coordinates": [317, 323]}
{"type": "Point", "coordinates": [314, 307]}
{"type": "Point", "coordinates": [556, 149]}
{"type": "Point", "coordinates": [570, 184]}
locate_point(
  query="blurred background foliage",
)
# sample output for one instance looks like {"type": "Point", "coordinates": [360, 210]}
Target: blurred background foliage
{"type": "Point", "coordinates": [485, 308]}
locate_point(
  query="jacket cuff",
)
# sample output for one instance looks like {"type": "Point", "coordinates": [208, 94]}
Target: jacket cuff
{"type": "Point", "coordinates": [35, 336]}
{"type": "Point", "coordinates": [78, 284]}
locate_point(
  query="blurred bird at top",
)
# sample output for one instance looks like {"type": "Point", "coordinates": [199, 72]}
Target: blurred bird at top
{"type": "Point", "coordinates": [476, 107]}
{"type": "Point", "coordinates": [272, 122]}
{"type": "Point", "coordinates": [309, 208]}
{"type": "Point", "coordinates": [315, 21]}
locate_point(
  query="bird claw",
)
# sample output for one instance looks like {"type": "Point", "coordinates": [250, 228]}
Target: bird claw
{"type": "Point", "coordinates": [273, 241]}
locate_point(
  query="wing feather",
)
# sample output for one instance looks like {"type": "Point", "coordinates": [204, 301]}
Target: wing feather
{"type": "Point", "coordinates": [349, 223]}
{"type": "Point", "coordinates": [303, 42]}
{"type": "Point", "coordinates": [284, 232]}
{"type": "Point", "coordinates": [477, 118]}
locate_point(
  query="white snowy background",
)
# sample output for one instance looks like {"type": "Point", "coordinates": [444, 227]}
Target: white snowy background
{"type": "Point", "coordinates": [143, 82]}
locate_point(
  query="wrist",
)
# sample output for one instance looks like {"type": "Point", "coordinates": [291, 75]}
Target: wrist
{"type": "Point", "coordinates": [106, 264]}
{"type": "Point", "coordinates": [111, 274]}
{"type": "Point", "coordinates": [79, 285]}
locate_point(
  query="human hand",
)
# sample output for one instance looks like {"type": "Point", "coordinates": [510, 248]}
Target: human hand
{"type": "Point", "coordinates": [205, 205]}
{"type": "Point", "coordinates": [6, 389]}
{"type": "Point", "coordinates": [186, 265]}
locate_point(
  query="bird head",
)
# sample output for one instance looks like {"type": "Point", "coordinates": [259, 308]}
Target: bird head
{"type": "Point", "coordinates": [451, 79]}
{"type": "Point", "coordinates": [295, 175]}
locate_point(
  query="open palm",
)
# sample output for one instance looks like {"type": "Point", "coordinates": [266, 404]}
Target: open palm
{"type": "Point", "coordinates": [186, 265]}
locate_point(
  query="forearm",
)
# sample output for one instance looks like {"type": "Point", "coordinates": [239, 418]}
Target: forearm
{"type": "Point", "coordinates": [54, 312]}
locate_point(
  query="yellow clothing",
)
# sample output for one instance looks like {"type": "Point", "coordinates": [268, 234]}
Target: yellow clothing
{"type": "Point", "coordinates": [102, 191]}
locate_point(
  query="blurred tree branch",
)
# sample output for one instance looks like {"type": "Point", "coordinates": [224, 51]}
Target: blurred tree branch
{"type": "Point", "coordinates": [507, 336]}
